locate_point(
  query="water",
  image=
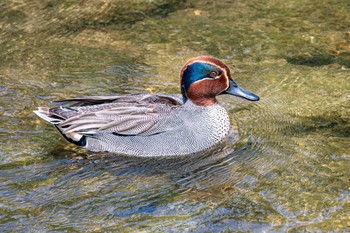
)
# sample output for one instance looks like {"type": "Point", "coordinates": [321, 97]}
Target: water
{"type": "Point", "coordinates": [288, 170]}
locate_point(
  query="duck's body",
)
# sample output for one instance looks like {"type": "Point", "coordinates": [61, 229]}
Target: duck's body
{"type": "Point", "coordinates": [153, 125]}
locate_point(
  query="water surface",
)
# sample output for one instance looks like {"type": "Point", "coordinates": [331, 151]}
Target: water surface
{"type": "Point", "coordinates": [287, 170]}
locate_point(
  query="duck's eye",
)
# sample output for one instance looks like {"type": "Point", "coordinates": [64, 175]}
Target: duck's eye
{"type": "Point", "coordinates": [213, 74]}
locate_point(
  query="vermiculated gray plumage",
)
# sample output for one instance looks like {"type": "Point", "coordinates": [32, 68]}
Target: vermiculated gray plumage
{"type": "Point", "coordinates": [140, 124]}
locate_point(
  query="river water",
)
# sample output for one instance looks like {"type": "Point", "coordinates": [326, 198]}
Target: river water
{"type": "Point", "coordinates": [286, 170]}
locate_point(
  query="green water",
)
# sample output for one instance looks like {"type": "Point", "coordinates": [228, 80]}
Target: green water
{"type": "Point", "coordinates": [287, 171]}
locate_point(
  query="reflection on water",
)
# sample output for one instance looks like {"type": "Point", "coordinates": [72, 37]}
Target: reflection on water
{"type": "Point", "coordinates": [285, 166]}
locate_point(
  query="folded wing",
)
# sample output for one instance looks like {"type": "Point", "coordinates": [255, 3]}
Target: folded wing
{"type": "Point", "coordinates": [126, 115]}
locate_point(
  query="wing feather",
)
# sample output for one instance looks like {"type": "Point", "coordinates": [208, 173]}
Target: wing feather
{"type": "Point", "coordinates": [139, 114]}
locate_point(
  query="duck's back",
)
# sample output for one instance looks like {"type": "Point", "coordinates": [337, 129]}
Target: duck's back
{"type": "Point", "coordinates": [189, 129]}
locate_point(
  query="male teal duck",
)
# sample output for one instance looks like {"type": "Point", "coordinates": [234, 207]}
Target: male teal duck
{"type": "Point", "coordinates": [153, 124]}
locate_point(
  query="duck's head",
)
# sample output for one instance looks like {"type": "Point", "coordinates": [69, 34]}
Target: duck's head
{"type": "Point", "coordinates": [203, 78]}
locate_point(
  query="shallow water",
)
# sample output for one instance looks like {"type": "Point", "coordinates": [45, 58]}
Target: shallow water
{"type": "Point", "coordinates": [288, 170]}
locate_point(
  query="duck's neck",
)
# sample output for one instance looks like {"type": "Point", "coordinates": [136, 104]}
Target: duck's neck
{"type": "Point", "coordinates": [204, 101]}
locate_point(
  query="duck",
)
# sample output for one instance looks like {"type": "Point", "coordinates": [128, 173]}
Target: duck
{"type": "Point", "coordinates": [153, 125]}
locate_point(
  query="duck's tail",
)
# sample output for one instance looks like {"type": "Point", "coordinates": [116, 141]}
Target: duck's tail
{"type": "Point", "coordinates": [49, 115]}
{"type": "Point", "coordinates": [45, 114]}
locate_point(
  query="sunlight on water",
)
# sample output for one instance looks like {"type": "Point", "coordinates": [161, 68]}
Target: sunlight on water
{"type": "Point", "coordinates": [284, 166]}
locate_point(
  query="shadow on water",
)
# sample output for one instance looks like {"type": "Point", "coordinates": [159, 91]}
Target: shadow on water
{"type": "Point", "coordinates": [319, 124]}
{"type": "Point", "coordinates": [317, 60]}
{"type": "Point", "coordinates": [312, 60]}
